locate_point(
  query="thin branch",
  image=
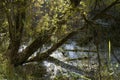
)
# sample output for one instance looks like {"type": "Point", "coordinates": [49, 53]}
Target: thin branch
{"type": "Point", "coordinates": [117, 59]}
{"type": "Point", "coordinates": [99, 61]}
{"type": "Point", "coordinates": [81, 58]}
{"type": "Point", "coordinates": [104, 10]}
{"type": "Point", "coordinates": [114, 55]}
{"type": "Point", "coordinates": [77, 50]}
{"type": "Point", "coordinates": [64, 65]}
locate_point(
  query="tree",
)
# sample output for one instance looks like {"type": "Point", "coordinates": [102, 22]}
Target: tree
{"type": "Point", "coordinates": [56, 22]}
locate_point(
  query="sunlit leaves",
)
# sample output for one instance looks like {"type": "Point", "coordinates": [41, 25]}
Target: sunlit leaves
{"type": "Point", "coordinates": [44, 15]}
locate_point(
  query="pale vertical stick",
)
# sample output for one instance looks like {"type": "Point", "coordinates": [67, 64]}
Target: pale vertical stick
{"type": "Point", "coordinates": [109, 52]}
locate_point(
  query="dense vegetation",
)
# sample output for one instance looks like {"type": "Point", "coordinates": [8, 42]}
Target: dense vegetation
{"type": "Point", "coordinates": [34, 32]}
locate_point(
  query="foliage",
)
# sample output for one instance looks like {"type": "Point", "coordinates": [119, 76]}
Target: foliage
{"type": "Point", "coordinates": [31, 30]}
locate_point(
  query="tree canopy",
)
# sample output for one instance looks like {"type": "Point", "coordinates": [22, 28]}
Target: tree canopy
{"type": "Point", "coordinates": [32, 30]}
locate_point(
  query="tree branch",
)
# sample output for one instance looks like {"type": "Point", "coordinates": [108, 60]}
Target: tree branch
{"type": "Point", "coordinates": [81, 58]}
{"type": "Point", "coordinates": [46, 54]}
{"type": "Point", "coordinates": [60, 63]}
{"type": "Point", "coordinates": [104, 10]}
{"type": "Point", "coordinates": [77, 50]}
{"type": "Point", "coordinates": [34, 46]}
{"type": "Point", "coordinates": [64, 65]}
{"type": "Point", "coordinates": [15, 21]}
